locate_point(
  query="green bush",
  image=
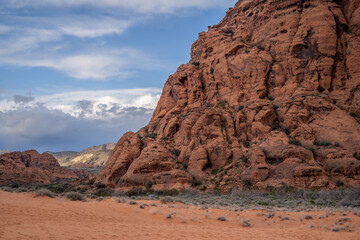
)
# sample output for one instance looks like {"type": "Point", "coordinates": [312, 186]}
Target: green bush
{"type": "Point", "coordinates": [91, 182]}
{"type": "Point", "coordinates": [104, 192]}
{"type": "Point", "coordinates": [275, 126]}
{"type": "Point", "coordinates": [151, 135]}
{"type": "Point", "coordinates": [244, 159]}
{"type": "Point", "coordinates": [294, 141]}
{"type": "Point", "coordinates": [228, 31]}
{"type": "Point", "coordinates": [176, 152]}
{"type": "Point", "coordinates": [148, 184]}
{"type": "Point", "coordinates": [247, 182]}
{"type": "Point", "coordinates": [321, 143]}
{"type": "Point", "coordinates": [74, 196]}
{"type": "Point", "coordinates": [216, 171]}
{"type": "Point", "coordinates": [100, 185]}
{"type": "Point", "coordinates": [339, 183]}
{"type": "Point", "coordinates": [196, 182]}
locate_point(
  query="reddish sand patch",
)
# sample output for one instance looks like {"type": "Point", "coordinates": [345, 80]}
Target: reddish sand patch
{"type": "Point", "coordinates": [24, 217]}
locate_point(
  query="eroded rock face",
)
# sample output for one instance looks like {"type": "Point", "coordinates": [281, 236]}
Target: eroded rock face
{"type": "Point", "coordinates": [31, 167]}
{"type": "Point", "coordinates": [271, 95]}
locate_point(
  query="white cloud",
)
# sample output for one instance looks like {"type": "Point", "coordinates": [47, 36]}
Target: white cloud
{"type": "Point", "coordinates": [105, 105]}
{"type": "Point", "coordinates": [73, 120]}
{"type": "Point", "coordinates": [87, 27]}
{"type": "Point", "coordinates": [41, 43]}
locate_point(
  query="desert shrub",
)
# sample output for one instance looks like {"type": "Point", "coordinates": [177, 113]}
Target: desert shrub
{"type": "Point", "coordinates": [148, 184]}
{"type": "Point", "coordinates": [262, 203]}
{"type": "Point", "coordinates": [308, 217]}
{"type": "Point", "coordinates": [274, 161]}
{"type": "Point", "coordinates": [270, 98]}
{"type": "Point", "coordinates": [285, 130]}
{"type": "Point", "coordinates": [221, 218]}
{"type": "Point", "coordinates": [151, 135]}
{"type": "Point", "coordinates": [74, 196]}
{"type": "Point", "coordinates": [7, 189]}
{"type": "Point", "coordinates": [22, 189]}
{"type": "Point", "coordinates": [176, 152]}
{"type": "Point", "coordinates": [216, 171]}
{"type": "Point", "coordinates": [321, 143]}
{"type": "Point", "coordinates": [15, 185]}
{"type": "Point", "coordinates": [171, 192]}
{"type": "Point", "coordinates": [275, 126]}
{"type": "Point", "coordinates": [100, 185]}
{"type": "Point", "coordinates": [196, 182]}
{"type": "Point", "coordinates": [104, 192]}
{"type": "Point", "coordinates": [196, 64]}
{"type": "Point", "coordinates": [165, 138]}
{"type": "Point", "coordinates": [136, 192]}
{"type": "Point", "coordinates": [228, 31]}
{"type": "Point", "coordinates": [246, 143]}
{"type": "Point", "coordinates": [60, 187]}
{"type": "Point", "coordinates": [91, 182]}
{"type": "Point", "coordinates": [43, 192]}
{"type": "Point", "coordinates": [246, 223]}
{"type": "Point", "coordinates": [244, 159]}
{"type": "Point", "coordinates": [357, 156]}
{"type": "Point", "coordinates": [339, 183]}
{"type": "Point", "coordinates": [247, 182]}
{"type": "Point", "coordinates": [229, 162]}
{"type": "Point", "coordinates": [294, 141]}
{"type": "Point", "coordinates": [353, 115]}
{"type": "Point", "coordinates": [357, 88]}
{"type": "Point", "coordinates": [241, 107]}
{"type": "Point", "coordinates": [222, 103]}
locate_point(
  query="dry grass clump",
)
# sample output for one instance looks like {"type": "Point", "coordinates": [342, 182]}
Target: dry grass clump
{"type": "Point", "coordinates": [7, 189]}
{"type": "Point", "coordinates": [74, 196]}
{"type": "Point", "coordinates": [43, 192]}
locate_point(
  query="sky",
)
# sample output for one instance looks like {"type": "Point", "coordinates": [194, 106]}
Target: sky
{"type": "Point", "coordinates": [80, 73]}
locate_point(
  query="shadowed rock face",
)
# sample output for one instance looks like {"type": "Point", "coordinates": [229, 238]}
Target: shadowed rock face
{"type": "Point", "coordinates": [31, 167]}
{"type": "Point", "coordinates": [271, 95]}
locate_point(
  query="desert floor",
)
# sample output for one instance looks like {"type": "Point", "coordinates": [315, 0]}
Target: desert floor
{"type": "Point", "coordinates": [24, 217]}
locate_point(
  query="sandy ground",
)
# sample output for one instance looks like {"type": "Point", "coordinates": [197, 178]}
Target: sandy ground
{"type": "Point", "coordinates": [24, 217]}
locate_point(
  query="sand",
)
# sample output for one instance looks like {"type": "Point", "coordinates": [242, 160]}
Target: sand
{"type": "Point", "coordinates": [24, 217]}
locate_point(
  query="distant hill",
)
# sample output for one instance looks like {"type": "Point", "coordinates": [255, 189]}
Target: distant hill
{"type": "Point", "coordinates": [95, 156]}
{"type": "Point", "coordinates": [4, 151]}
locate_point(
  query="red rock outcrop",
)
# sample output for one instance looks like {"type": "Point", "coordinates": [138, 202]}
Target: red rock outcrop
{"type": "Point", "coordinates": [271, 95]}
{"type": "Point", "coordinates": [31, 167]}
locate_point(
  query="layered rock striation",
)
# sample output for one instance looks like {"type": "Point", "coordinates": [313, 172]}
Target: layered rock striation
{"type": "Point", "coordinates": [31, 167]}
{"type": "Point", "coordinates": [271, 95]}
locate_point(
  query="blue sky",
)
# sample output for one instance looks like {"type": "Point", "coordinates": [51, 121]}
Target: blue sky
{"type": "Point", "coordinates": [74, 74]}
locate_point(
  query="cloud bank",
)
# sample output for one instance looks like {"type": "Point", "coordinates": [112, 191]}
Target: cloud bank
{"type": "Point", "coordinates": [73, 120]}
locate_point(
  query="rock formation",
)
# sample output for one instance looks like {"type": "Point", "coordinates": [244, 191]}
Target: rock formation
{"type": "Point", "coordinates": [88, 158]}
{"type": "Point", "coordinates": [31, 167]}
{"type": "Point", "coordinates": [271, 95]}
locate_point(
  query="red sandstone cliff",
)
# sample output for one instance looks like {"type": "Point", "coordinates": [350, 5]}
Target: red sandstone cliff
{"type": "Point", "coordinates": [271, 95]}
{"type": "Point", "coordinates": [31, 167]}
